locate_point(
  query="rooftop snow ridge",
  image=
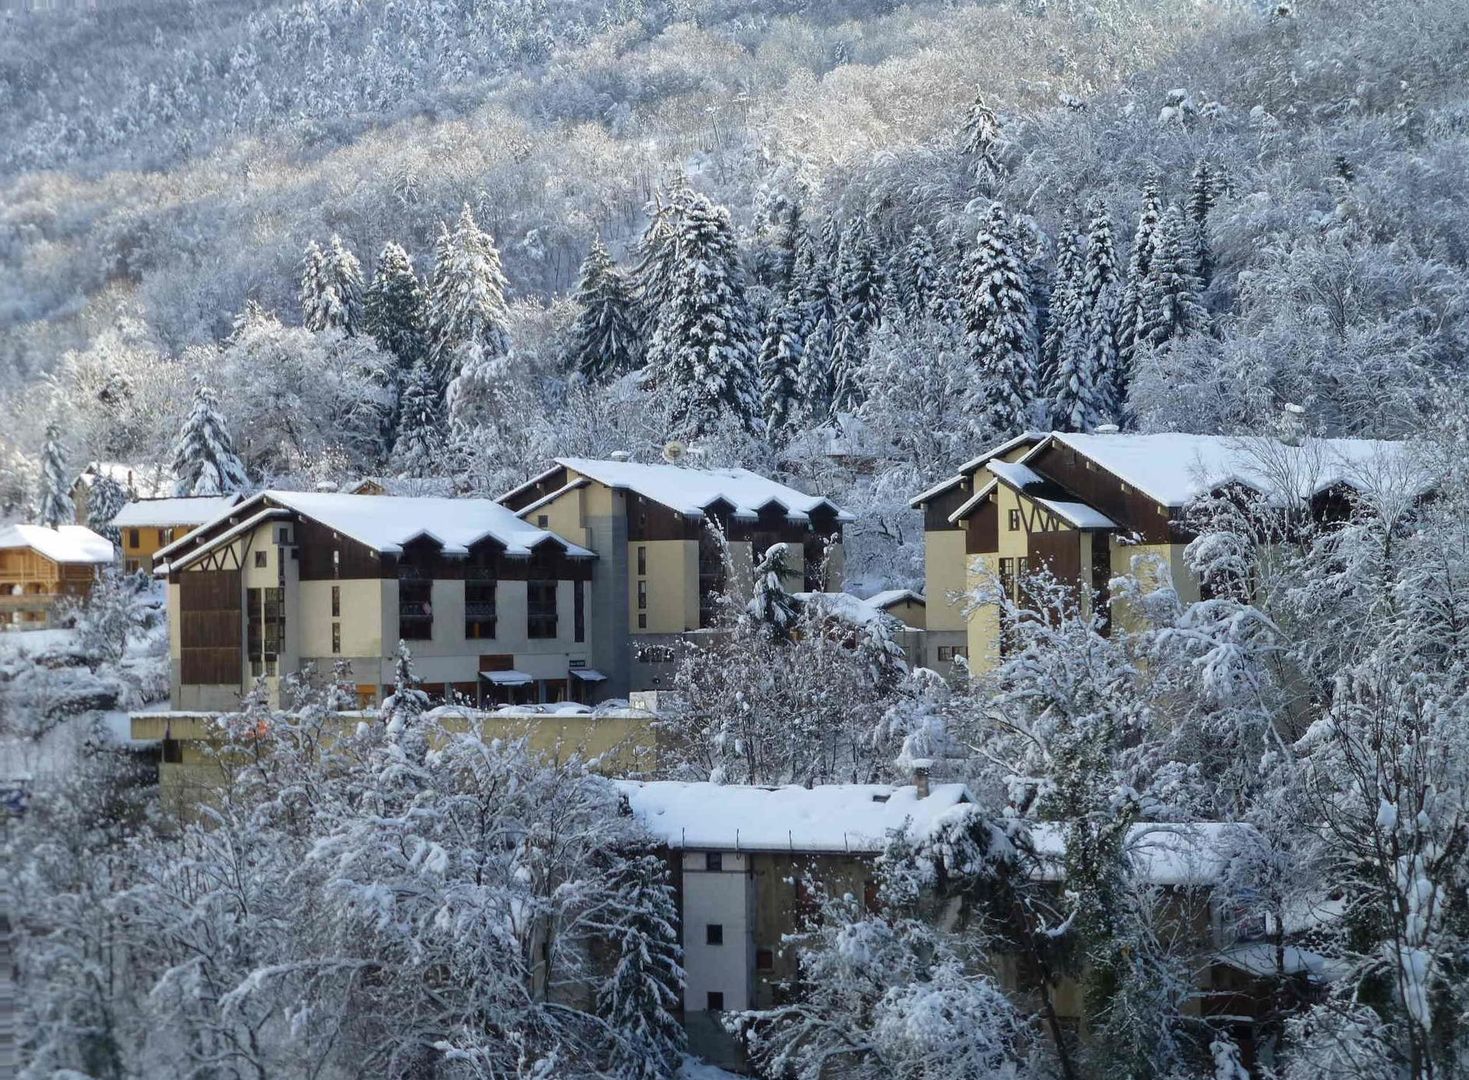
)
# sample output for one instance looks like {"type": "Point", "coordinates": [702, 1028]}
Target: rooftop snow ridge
{"type": "Point", "coordinates": [64, 544]}
{"type": "Point", "coordinates": [691, 491]}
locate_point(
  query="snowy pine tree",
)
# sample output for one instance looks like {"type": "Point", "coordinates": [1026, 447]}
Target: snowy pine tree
{"type": "Point", "coordinates": [702, 353]}
{"type": "Point", "coordinates": [104, 501]}
{"type": "Point", "coordinates": [1168, 305]}
{"type": "Point", "coordinates": [641, 999]}
{"type": "Point", "coordinates": [1000, 322]}
{"type": "Point", "coordinates": [604, 338]}
{"type": "Point", "coordinates": [780, 364]}
{"type": "Point", "coordinates": [859, 294]}
{"type": "Point", "coordinates": [419, 449]}
{"type": "Point", "coordinates": [53, 504]}
{"type": "Point", "coordinates": [921, 270]}
{"type": "Point", "coordinates": [331, 288]}
{"type": "Point", "coordinates": [982, 140]}
{"type": "Point", "coordinates": [813, 375]}
{"type": "Point", "coordinates": [466, 303]}
{"type": "Point", "coordinates": [653, 276]}
{"type": "Point", "coordinates": [771, 607]}
{"type": "Point", "coordinates": [1073, 392]}
{"type": "Point", "coordinates": [1202, 194]}
{"type": "Point", "coordinates": [1097, 297]}
{"type": "Point", "coordinates": [1137, 272]}
{"type": "Point", "coordinates": [204, 459]}
{"type": "Point", "coordinates": [395, 309]}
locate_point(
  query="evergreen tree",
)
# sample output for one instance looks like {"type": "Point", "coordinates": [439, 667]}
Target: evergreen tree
{"type": "Point", "coordinates": [1098, 301]}
{"type": "Point", "coordinates": [653, 276]}
{"type": "Point", "coordinates": [859, 288]}
{"type": "Point", "coordinates": [395, 309]}
{"type": "Point", "coordinates": [813, 376]}
{"type": "Point", "coordinates": [641, 1000]}
{"type": "Point", "coordinates": [1000, 322]}
{"type": "Point", "coordinates": [54, 506]}
{"type": "Point", "coordinates": [781, 355]}
{"type": "Point", "coordinates": [204, 459]}
{"type": "Point", "coordinates": [1168, 306]}
{"type": "Point", "coordinates": [1072, 388]}
{"type": "Point", "coordinates": [466, 303]}
{"type": "Point", "coordinates": [419, 449]}
{"type": "Point", "coordinates": [104, 500]}
{"type": "Point", "coordinates": [604, 336]}
{"type": "Point", "coordinates": [703, 350]}
{"type": "Point", "coordinates": [773, 610]}
{"type": "Point", "coordinates": [982, 139]}
{"type": "Point", "coordinates": [331, 288]}
{"type": "Point", "coordinates": [921, 268]}
{"type": "Point", "coordinates": [1201, 198]}
{"type": "Point", "coordinates": [1137, 271]}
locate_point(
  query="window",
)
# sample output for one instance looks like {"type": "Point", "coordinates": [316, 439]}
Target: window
{"type": "Point", "coordinates": [265, 628]}
{"type": "Point", "coordinates": [713, 860]}
{"type": "Point", "coordinates": [1012, 520]}
{"type": "Point", "coordinates": [540, 611]}
{"type": "Point", "coordinates": [642, 620]}
{"type": "Point", "coordinates": [578, 611]}
{"type": "Point", "coordinates": [173, 752]}
{"type": "Point", "coordinates": [164, 536]}
{"type": "Point", "coordinates": [260, 560]}
{"type": "Point", "coordinates": [133, 540]}
{"type": "Point", "coordinates": [642, 560]}
{"type": "Point", "coordinates": [642, 596]}
{"type": "Point", "coordinates": [415, 598]}
{"type": "Point", "coordinates": [336, 562]}
{"type": "Point", "coordinates": [336, 639]}
{"type": "Point", "coordinates": [948, 653]}
{"type": "Point", "coordinates": [715, 1000]}
{"type": "Point", "coordinates": [481, 582]}
{"type": "Point", "coordinates": [764, 960]}
{"type": "Point", "coordinates": [714, 934]}
{"type": "Point", "coordinates": [542, 521]}
{"type": "Point", "coordinates": [336, 601]}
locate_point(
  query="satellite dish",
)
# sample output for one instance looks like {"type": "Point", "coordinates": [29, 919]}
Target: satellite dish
{"type": "Point", "coordinates": [674, 451]}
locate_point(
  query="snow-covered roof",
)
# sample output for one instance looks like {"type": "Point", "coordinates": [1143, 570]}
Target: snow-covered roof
{"type": "Point", "coordinates": [690, 491]}
{"type": "Point", "coordinates": [387, 522]}
{"type": "Point", "coordinates": [888, 597]}
{"type": "Point", "coordinates": [1043, 492]}
{"type": "Point", "coordinates": [195, 510]}
{"type": "Point", "coordinates": [65, 544]}
{"type": "Point", "coordinates": [143, 480]}
{"type": "Point", "coordinates": [1160, 853]}
{"type": "Point", "coordinates": [1173, 468]}
{"type": "Point", "coordinates": [974, 464]}
{"type": "Point", "coordinates": [740, 817]}
{"type": "Point", "coordinates": [849, 608]}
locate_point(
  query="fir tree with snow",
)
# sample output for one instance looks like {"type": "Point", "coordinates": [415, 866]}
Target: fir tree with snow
{"type": "Point", "coordinates": [204, 458]}
{"type": "Point", "coordinates": [703, 353]}
{"type": "Point", "coordinates": [813, 374]}
{"type": "Point", "coordinates": [1202, 194]}
{"type": "Point", "coordinates": [642, 998]}
{"type": "Point", "coordinates": [331, 288]}
{"type": "Point", "coordinates": [1073, 393]}
{"type": "Point", "coordinates": [1169, 305]}
{"type": "Point", "coordinates": [418, 451]}
{"type": "Point", "coordinates": [53, 503]}
{"type": "Point", "coordinates": [1000, 322]}
{"type": "Point", "coordinates": [1097, 298]}
{"type": "Point", "coordinates": [982, 140]}
{"type": "Point", "coordinates": [921, 274]}
{"type": "Point", "coordinates": [104, 500]}
{"type": "Point", "coordinates": [1137, 272]}
{"type": "Point", "coordinates": [604, 338]}
{"type": "Point", "coordinates": [657, 258]}
{"type": "Point", "coordinates": [774, 610]}
{"type": "Point", "coordinates": [859, 293]}
{"type": "Point", "coordinates": [781, 354]}
{"type": "Point", "coordinates": [466, 303]}
{"type": "Point", "coordinates": [314, 285]}
{"type": "Point", "coordinates": [395, 309]}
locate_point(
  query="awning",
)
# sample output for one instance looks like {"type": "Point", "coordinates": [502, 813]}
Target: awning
{"type": "Point", "coordinates": [507, 678]}
{"type": "Point", "coordinates": [586, 674]}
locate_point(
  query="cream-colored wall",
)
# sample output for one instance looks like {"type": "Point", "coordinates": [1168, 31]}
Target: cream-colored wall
{"type": "Point", "coordinates": [673, 586]}
{"type": "Point", "coordinates": [361, 619]}
{"type": "Point", "coordinates": [944, 576]}
{"type": "Point", "coordinates": [565, 516]}
{"type": "Point", "coordinates": [1152, 565]}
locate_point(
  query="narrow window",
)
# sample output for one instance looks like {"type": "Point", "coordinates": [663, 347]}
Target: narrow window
{"type": "Point", "coordinates": [642, 560]}
{"type": "Point", "coordinates": [642, 620]}
{"type": "Point", "coordinates": [336, 601]}
{"type": "Point", "coordinates": [714, 860]}
{"type": "Point", "coordinates": [714, 934]}
{"type": "Point", "coordinates": [764, 960]}
{"type": "Point", "coordinates": [336, 562]}
{"type": "Point", "coordinates": [133, 540]}
{"type": "Point", "coordinates": [1014, 520]}
{"type": "Point", "coordinates": [540, 616]}
{"type": "Point", "coordinates": [163, 537]}
{"type": "Point", "coordinates": [715, 999]}
{"type": "Point", "coordinates": [542, 520]}
{"type": "Point", "coordinates": [260, 560]}
{"type": "Point", "coordinates": [579, 610]}
{"type": "Point", "coordinates": [642, 596]}
{"type": "Point", "coordinates": [336, 639]}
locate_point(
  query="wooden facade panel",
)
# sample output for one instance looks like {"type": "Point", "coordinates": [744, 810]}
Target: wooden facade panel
{"type": "Point", "coordinates": [328, 556]}
{"type": "Point", "coordinates": [210, 614]}
{"type": "Point", "coordinates": [982, 534]}
{"type": "Point", "coordinates": [537, 491]}
{"type": "Point", "coordinates": [937, 510]}
{"type": "Point", "coordinates": [1058, 552]}
{"type": "Point", "coordinates": [1099, 488]}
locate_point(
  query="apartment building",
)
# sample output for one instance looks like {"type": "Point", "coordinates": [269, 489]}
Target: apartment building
{"type": "Point", "coordinates": [1089, 507]}
{"type": "Point", "coordinates": [668, 537]}
{"type": "Point", "coordinates": [496, 610]}
{"type": "Point", "coordinates": [42, 567]}
{"type": "Point", "coordinates": [146, 526]}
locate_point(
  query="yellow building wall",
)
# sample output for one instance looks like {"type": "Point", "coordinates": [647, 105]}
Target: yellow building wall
{"type": "Point", "coordinates": [944, 575]}
{"type": "Point", "coordinates": [361, 618]}
{"type": "Point", "coordinates": [566, 516]}
{"type": "Point", "coordinates": [151, 538]}
{"type": "Point", "coordinates": [672, 586]}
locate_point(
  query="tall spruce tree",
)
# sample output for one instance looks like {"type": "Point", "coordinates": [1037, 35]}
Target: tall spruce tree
{"type": "Point", "coordinates": [466, 303]}
{"type": "Point", "coordinates": [204, 458]}
{"type": "Point", "coordinates": [780, 365]}
{"type": "Point", "coordinates": [53, 503]}
{"type": "Point", "coordinates": [1202, 194]}
{"type": "Point", "coordinates": [1000, 326]}
{"type": "Point", "coordinates": [703, 352]}
{"type": "Point", "coordinates": [604, 337]}
{"type": "Point", "coordinates": [813, 375]}
{"type": "Point", "coordinates": [1071, 390]}
{"type": "Point", "coordinates": [104, 500]}
{"type": "Point", "coordinates": [396, 308]}
{"type": "Point", "coordinates": [419, 449]}
{"type": "Point", "coordinates": [331, 288]}
{"type": "Point", "coordinates": [982, 140]}
{"type": "Point", "coordinates": [657, 262]}
{"type": "Point", "coordinates": [921, 273]}
{"type": "Point", "coordinates": [859, 291]}
{"type": "Point", "coordinates": [1137, 270]}
{"type": "Point", "coordinates": [1168, 306]}
{"type": "Point", "coordinates": [1097, 297]}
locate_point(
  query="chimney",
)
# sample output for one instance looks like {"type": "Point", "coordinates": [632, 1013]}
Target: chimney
{"type": "Point", "coordinates": [619, 455]}
{"type": "Point", "coordinates": [1105, 429]}
{"type": "Point", "coordinates": [920, 779]}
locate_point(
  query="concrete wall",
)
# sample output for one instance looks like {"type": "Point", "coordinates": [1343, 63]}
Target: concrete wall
{"type": "Point", "coordinates": [723, 897]}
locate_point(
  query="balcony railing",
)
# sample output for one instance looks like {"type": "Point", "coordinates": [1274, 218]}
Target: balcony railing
{"type": "Point", "coordinates": [479, 610]}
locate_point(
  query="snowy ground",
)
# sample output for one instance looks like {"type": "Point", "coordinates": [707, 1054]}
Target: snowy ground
{"type": "Point", "coordinates": [694, 1069]}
